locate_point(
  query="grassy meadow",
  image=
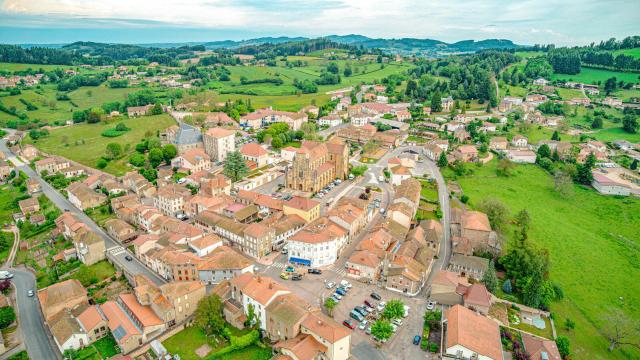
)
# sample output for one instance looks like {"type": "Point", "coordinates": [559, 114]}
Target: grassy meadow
{"type": "Point", "coordinates": [592, 76]}
{"type": "Point", "coordinates": [593, 243]}
{"type": "Point", "coordinates": [84, 144]}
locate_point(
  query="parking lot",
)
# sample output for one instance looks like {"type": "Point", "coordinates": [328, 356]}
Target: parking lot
{"type": "Point", "coordinates": [313, 289]}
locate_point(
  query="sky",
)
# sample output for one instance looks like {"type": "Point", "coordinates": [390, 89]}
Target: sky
{"type": "Point", "coordinates": [561, 22]}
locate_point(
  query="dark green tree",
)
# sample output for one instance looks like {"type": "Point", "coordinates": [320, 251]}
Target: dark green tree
{"type": "Point", "coordinates": [169, 151]}
{"type": "Point", "coordinates": [506, 287]}
{"type": "Point", "coordinates": [563, 346]}
{"type": "Point", "coordinates": [156, 157]}
{"type": "Point", "coordinates": [630, 124]}
{"type": "Point", "coordinates": [442, 160]}
{"type": "Point", "coordinates": [235, 167]}
{"type": "Point", "coordinates": [555, 136]}
{"type": "Point", "coordinates": [490, 279]}
{"type": "Point", "coordinates": [584, 174]}
{"type": "Point", "coordinates": [436, 102]}
{"type": "Point", "coordinates": [208, 315]}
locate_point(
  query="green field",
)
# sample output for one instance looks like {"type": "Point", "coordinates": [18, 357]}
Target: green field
{"type": "Point", "coordinates": [568, 94]}
{"type": "Point", "coordinates": [21, 67]}
{"type": "Point", "coordinates": [593, 243]}
{"type": "Point", "coordinates": [635, 52]}
{"type": "Point", "coordinates": [592, 76]}
{"type": "Point", "coordinates": [63, 141]}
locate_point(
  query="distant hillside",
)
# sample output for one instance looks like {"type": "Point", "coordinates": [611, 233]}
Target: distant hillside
{"type": "Point", "coordinates": [403, 45]}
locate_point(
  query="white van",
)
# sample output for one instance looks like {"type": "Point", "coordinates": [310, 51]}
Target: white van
{"type": "Point", "coordinates": [5, 275]}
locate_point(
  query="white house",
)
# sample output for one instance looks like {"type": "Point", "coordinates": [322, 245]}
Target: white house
{"type": "Point", "coordinates": [360, 119]}
{"type": "Point", "coordinates": [519, 141]}
{"type": "Point", "coordinates": [319, 244]}
{"type": "Point", "coordinates": [205, 245]}
{"type": "Point", "coordinates": [330, 121]}
{"type": "Point", "coordinates": [399, 174]}
{"type": "Point", "coordinates": [258, 292]}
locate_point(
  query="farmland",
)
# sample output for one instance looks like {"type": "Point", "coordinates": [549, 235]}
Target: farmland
{"type": "Point", "coordinates": [593, 243]}
{"type": "Point", "coordinates": [84, 144]}
{"type": "Point", "coordinates": [592, 76]}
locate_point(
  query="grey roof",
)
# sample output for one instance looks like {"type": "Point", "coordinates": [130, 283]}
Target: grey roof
{"type": "Point", "coordinates": [188, 134]}
{"type": "Point", "coordinates": [119, 332]}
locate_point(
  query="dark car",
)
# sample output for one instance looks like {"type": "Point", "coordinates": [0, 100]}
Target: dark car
{"type": "Point", "coordinates": [128, 258]}
{"type": "Point", "coordinates": [369, 304]}
{"type": "Point", "coordinates": [348, 323]}
{"type": "Point", "coordinates": [416, 340]}
{"type": "Point", "coordinates": [341, 291]}
{"type": "Point", "coordinates": [314, 271]}
{"type": "Point", "coordinates": [376, 296]}
{"type": "Point", "coordinates": [361, 310]}
{"type": "Point", "coordinates": [296, 277]}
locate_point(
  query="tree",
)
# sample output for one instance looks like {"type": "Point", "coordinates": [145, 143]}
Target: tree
{"type": "Point", "coordinates": [442, 160]}
{"type": "Point", "coordinates": [584, 175]}
{"type": "Point", "coordinates": [569, 324]}
{"type": "Point", "coordinates": [630, 124]}
{"type": "Point", "coordinates": [544, 151]}
{"type": "Point", "coordinates": [563, 183]}
{"type": "Point", "coordinates": [393, 310]}
{"type": "Point", "coordinates": [496, 211]}
{"type": "Point", "coordinates": [71, 354]}
{"type": "Point", "coordinates": [251, 315]}
{"type": "Point", "coordinates": [7, 316]}
{"type": "Point", "coordinates": [433, 318]}
{"type": "Point", "coordinates": [359, 170]}
{"type": "Point", "coordinates": [597, 123]}
{"type": "Point", "coordinates": [95, 115]}
{"type": "Point", "coordinates": [505, 167]}
{"type": "Point", "coordinates": [634, 165]}
{"type": "Point", "coordinates": [610, 85]}
{"type": "Point", "coordinates": [381, 330]}
{"type": "Point", "coordinates": [169, 151]}
{"type": "Point", "coordinates": [235, 167]}
{"type": "Point", "coordinates": [137, 159]}
{"type": "Point", "coordinates": [114, 151]}
{"type": "Point", "coordinates": [156, 157]}
{"type": "Point", "coordinates": [330, 304]}
{"type": "Point", "coordinates": [563, 346]}
{"type": "Point", "coordinates": [620, 329]}
{"type": "Point", "coordinates": [156, 109]}
{"type": "Point", "coordinates": [208, 315]}
{"type": "Point", "coordinates": [5, 285]}
{"type": "Point", "coordinates": [436, 102]}
{"type": "Point", "coordinates": [506, 287]}
{"type": "Point", "coordinates": [555, 136]}
{"type": "Point", "coordinates": [489, 279]}
{"type": "Point", "coordinates": [523, 219]}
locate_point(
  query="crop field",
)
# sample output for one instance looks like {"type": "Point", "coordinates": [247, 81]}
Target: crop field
{"type": "Point", "coordinates": [592, 76]}
{"type": "Point", "coordinates": [84, 144]}
{"type": "Point", "coordinates": [22, 67]}
{"type": "Point", "coordinates": [593, 244]}
{"type": "Point", "coordinates": [568, 94]}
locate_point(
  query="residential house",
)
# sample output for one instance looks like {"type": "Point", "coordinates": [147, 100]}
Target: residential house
{"type": "Point", "coordinates": [120, 230]}
{"type": "Point", "coordinates": [255, 153]}
{"type": "Point", "coordinates": [223, 263]}
{"type": "Point", "coordinates": [433, 151]}
{"type": "Point", "coordinates": [193, 160]}
{"type": "Point", "coordinates": [519, 141]}
{"type": "Point", "coordinates": [318, 244]}
{"type": "Point", "coordinates": [468, 265]}
{"type": "Point", "coordinates": [82, 197]}
{"type": "Point", "coordinates": [608, 186]}
{"type": "Point", "coordinates": [471, 335]}
{"type": "Point", "coordinates": [218, 143]}
{"type": "Point", "coordinates": [498, 143]}
{"type": "Point", "coordinates": [471, 232]}
{"type": "Point", "coordinates": [90, 247]}
{"type": "Point", "coordinates": [307, 209]}
{"type": "Point", "coordinates": [61, 297]}
{"type": "Point", "coordinates": [125, 332]}
{"type": "Point", "coordinates": [170, 199]}
{"type": "Point", "coordinates": [29, 206]}
{"type": "Point", "coordinates": [465, 153]}
{"type": "Point", "coordinates": [539, 348]}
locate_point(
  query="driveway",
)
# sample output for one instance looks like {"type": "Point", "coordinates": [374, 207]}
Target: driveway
{"type": "Point", "coordinates": [115, 251]}
{"type": "Point", "coordinates": [35, 336]}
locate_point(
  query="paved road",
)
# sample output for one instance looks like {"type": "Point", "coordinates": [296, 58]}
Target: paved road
{"type": "Point", "coordinates": [327, 132]}
{"type": "Point", "coordinates": [117, 254]}
{"type": "Point", "coordinates": [35, 336]}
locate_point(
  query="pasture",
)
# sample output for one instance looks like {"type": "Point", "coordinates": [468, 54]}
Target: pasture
{"type": "Point", "coordinates": [593, 243]}
{"type": "Point", "coordinates": [597, 76]}
{"type": "Point", "coordinates": [84, 144]}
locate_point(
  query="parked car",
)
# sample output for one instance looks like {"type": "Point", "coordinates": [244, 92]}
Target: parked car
{"type": "Point", "coordinates": [284, 251]}
{"type": "Point", "coordinates": [128, 258]}
{"type": "Point", "coordinates": [376, 296]}
{"type": "Point", "coordinates": [381, 306]}
{"type": "Point", "coordinates": [406, 311]}
{"type": "Point", "coordinates": [348, 323]}
{"type": "Point", "coordinates": [368, 308]}
{"type": "Point", "coordinates": [397, 322]}
{"type": "Point", "coordinates": [343, 289]}
{"type": "Point", "coordinates": [394, 327]}
{"type": "Point", "coordinates": [314, 271]}
{"type": "Point", "coordinates": [30, 293]}
{"type": "Point", "coordinates": [290, 269]}
{"type": "Point", "coordinates": [368, 331]}
{"type": "Point", "coordinates": [335, 298]}
{"type": "Point", "coordinates": [337, 295]}
{"type": "Point", "coordinates": [369, 304]}
{"type": "Point", "coordinates": [341, 292]}
{"type": "Point", "coordinates": [361, 310]}
{"type": "Point", "coordinates": [296, 277]}
{"type": "Point", "coordinates": [431, 305]}
{"type": "Point", "coordinates": [345, 284]}
{"type": "Point", "coordinates": [416, 340]}
{"type": "Point", "coordinates": [363, 325]}
{"type": "Point", "coordinates": [356, 315]}
{"type": "Point", "coordinates": [284, 276]}
{"type": "Point", "coordinates": [330, 284]}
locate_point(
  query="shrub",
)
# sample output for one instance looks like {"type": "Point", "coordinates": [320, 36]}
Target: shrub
{"type": "Point", "coordinates": [7, 316]}
{"type": "Point", "coordinates": [102, 163]}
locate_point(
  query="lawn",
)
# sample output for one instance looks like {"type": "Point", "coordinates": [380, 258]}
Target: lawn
{"type": "Point", "coordinates": [98, 271]}
{"type": "Point", "coordinates": [104, 348]}
{"type": "Point", "coordinates": [84, 144]}
{"type": "Point", "coordinates": [187, 341]}
{"type": "Point", "coordinates": [508, 90]}
{"type": "Point", "coordinates": [616, 133]}
{"type": "Point", "coordinates": [593, 243]}
{"type": "Point", "coordinates": [92, 96]}
{"type": "Point", "coordinates": [252, 352]}
{"type": "Point", "coordinates": [568, 94]}
{"type": "Point", "coordinates": [592, 76]}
